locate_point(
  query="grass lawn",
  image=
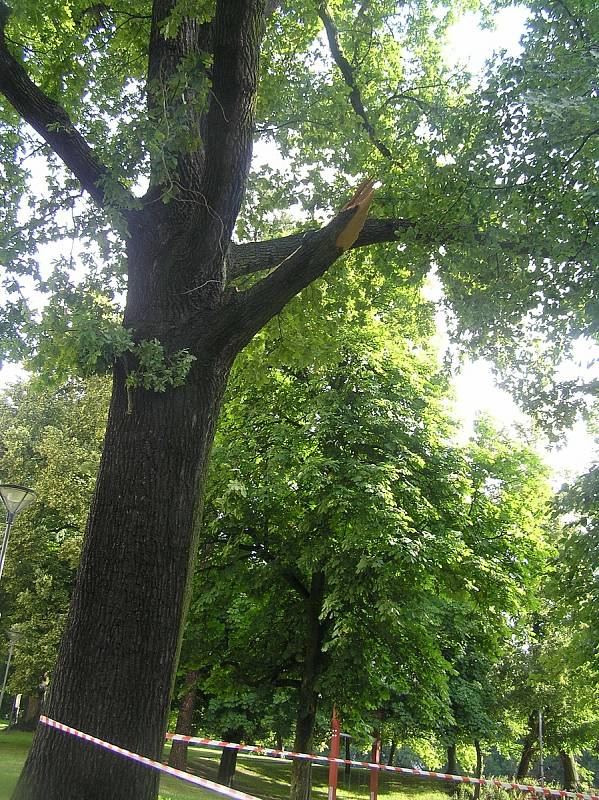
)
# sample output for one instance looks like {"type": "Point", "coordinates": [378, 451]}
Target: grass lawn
{"type": "Point", "coordinates": [266, 778]}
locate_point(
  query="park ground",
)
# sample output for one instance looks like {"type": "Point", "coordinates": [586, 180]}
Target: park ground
{"type": "Point", "coordinates": [265, 778]}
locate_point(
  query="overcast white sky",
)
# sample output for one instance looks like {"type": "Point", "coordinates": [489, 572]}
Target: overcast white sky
{"type": "Point", "coordinates": [476, 390]}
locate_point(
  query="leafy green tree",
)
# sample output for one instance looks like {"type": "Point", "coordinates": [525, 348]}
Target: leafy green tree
{"type": "Point", "coordinates": [153, 110]}
{"type": "Point", "coordinates": [221, 693]}
{"type": "Point", "coordinates": [574, 587]}
{"type": "Point", "coordinates": [532, 157]}
{"type": "Point", "coordinates": [544, 679]}
{"type": "Point", "coordinates": [506, 510]}
{"type": "Point", "coordinates": [50, 440]}
{"type": "Point", "coordinates": [563, 673]}
{"type": "Point", "coordinates": [346, 523]}
{"type": "Point", "coordinates": [338, 492]}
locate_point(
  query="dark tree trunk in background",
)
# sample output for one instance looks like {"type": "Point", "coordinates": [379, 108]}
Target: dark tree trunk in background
{"type": "Point", "coordinates": [178, 755]}
{"type": "Point", "coordinates": [392, 750]}
{"type": "Point", "coordinates": [228, 759]}
{"type": "Point", "coordinates": [479, 768]}
{"type": "Point", "coordinates": [570, 782]}
{"type": "Point", "coordinates": [528, 747]}
{"type": "Point", "coordinates": [301, 771]}
{"type": "Point", "coordinates": [31, 715]}
{"type": "Point", "coordinates": [452, 760]}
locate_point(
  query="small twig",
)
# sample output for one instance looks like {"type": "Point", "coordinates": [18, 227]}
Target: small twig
{"type": "Point", "coordinates": [348, 75]}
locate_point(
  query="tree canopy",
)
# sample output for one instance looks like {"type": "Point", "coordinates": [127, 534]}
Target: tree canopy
{"type": "Point", "coordinates": [145, 119]}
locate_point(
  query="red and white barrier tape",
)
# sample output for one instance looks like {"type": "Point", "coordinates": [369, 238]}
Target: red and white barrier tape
{"type": "Point", "coordinates": [176, 773]}
{"type": "Point", "coordinates": [420, 773]}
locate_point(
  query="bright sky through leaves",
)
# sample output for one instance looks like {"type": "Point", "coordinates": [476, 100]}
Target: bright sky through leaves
{"type": "Point", "coordinates": [476, 389]}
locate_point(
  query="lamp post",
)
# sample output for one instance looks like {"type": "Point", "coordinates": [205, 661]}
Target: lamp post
{"type": "Point", "coordinates": [15, 499]}
{"type": "Point", "coordinates": [541, 761]}
{"type": "Point", "coordinates": [12, 639]}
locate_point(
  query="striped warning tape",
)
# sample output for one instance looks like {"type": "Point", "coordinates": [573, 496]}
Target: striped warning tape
{"type": "Point", "coordinates": [421, 773]}
{"type": "Point", "coordinates": [157, 765]}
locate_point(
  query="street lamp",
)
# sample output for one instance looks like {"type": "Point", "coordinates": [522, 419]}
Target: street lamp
{"type": "Point", "coordinates": [15, 499]}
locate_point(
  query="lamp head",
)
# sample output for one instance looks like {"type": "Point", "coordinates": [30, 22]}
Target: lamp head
{"type": "Point", "coordinates": [15, 497]}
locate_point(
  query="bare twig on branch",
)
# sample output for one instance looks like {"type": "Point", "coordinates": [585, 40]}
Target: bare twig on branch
{"type": "Point", "coordinates": [348, 75]}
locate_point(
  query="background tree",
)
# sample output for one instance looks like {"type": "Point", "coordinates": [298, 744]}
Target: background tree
{"type": "Point", "coordinates": [530, 300]}
{"type": "Point", "coordinates": [574, 585]}
{"type": "Point", "coordinates": [345, 522]}
{"type": "Point", "coordinates": [51, 440]}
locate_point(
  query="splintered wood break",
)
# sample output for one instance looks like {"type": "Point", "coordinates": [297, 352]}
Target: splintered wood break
{"type": "Point", "coordinates": [361, 202]}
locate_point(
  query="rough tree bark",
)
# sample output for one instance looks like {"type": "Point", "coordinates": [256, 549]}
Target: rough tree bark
{"type": "Point", "coordinates": [178, 755]}
{"type": "Point", "coordinates": [307, 701]}
{"type": "Point", "coordinates": [528, 747]}
{"type": "Point", "coordinates": [119, 652]}
{"type": "Point", "coordinates": [228, 758]}
{"type": "Point", "coordinates": [570, 770]}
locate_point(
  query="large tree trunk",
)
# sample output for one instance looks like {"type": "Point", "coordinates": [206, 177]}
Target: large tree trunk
{"type": "Point", "coordinates": [119, 652]}
{"type": "Point", "coordinates": [301, 771]}
{"type": "Point", "coordinates": [178, 755]}
{"type": "Point", "coordinates": [570, 782]}
{"type": "Point", "coordinates": [120, 648]}
{"type": "Point", "coordinates": [117, 663]}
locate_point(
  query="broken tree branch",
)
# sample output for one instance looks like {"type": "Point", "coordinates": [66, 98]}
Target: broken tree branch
{"type": "Point", "coordinates": [252, 257]}
{"type": "Point", "coordinates": [252, 309]}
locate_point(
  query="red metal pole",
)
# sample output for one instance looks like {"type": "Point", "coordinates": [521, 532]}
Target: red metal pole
{"type": "Point", "coordinates": [334, 753]}
{"type": "Point", "coordinates": [374, 773]}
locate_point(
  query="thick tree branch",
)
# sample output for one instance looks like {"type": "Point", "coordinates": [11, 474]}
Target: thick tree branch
{"type": "Point", "coordinates": [253, 308]}
{"type": "Point", "coordinates": [172, 95]}
{"type": "Point", "coordinates": [348, 76]}
{"type": "Point", "coordinates": [252, 257]}
{"type": "Point", "coordinates": [227, 130]}
{"type": "Point", "coordinates": [52, 123]}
